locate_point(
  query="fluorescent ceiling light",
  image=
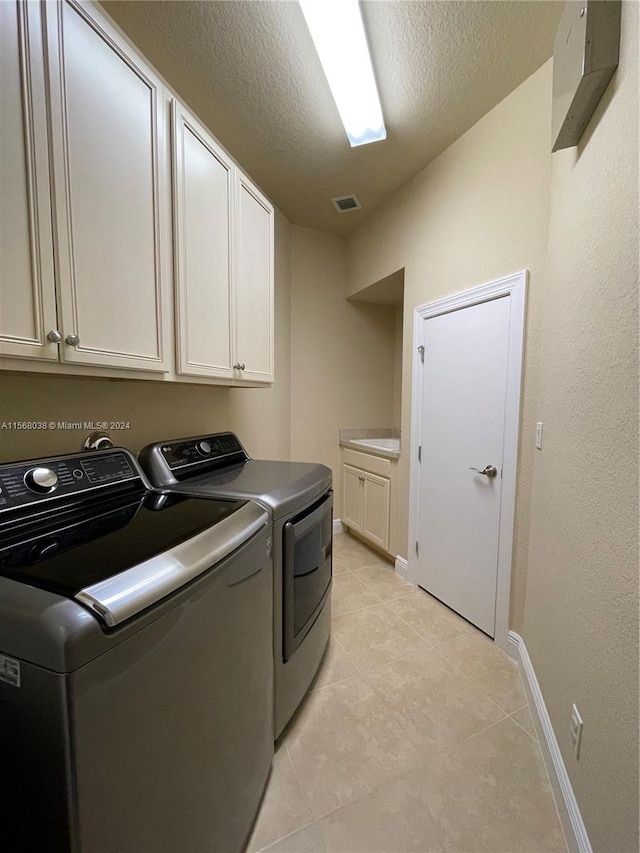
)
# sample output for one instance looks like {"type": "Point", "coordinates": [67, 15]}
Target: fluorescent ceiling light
{"type": "Point", "coordinates": [337, 32]}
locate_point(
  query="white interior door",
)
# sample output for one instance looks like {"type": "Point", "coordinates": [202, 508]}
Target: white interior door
{"type": "Point", "coordinates": [466, 362]}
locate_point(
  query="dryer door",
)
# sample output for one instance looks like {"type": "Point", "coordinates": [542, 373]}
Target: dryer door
{"type": "Point", "coordinates": [306, 570]}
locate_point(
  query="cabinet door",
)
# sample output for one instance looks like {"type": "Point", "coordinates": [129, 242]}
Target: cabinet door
{"type": "Point", "coordinates": [27, 294]}
{"type": "Point", "coordinates": [108, 115]}
{"type": "Point", "coordinates": [254, 284]}
{"type": "Point", "coordinates": [352, 497]}
{"type": "Point", "coordinates": [375, 523]}
{"type": "Point", "coordinates": [203, 192]}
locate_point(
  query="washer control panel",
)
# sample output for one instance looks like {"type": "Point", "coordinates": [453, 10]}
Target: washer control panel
{"type": "Point", "coordinates": [23, 483]}
{"type": "Point", "coordinates": [222, 447]}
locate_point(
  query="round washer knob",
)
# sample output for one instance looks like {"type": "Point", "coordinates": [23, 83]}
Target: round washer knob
{"type": "Point", "coordinates": [203, 448]}
{"type": "Point", "coordinates": [41, 480]}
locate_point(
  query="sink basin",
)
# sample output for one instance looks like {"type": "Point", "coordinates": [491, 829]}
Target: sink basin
{"type": "Point", "coordinates": [384, 443]}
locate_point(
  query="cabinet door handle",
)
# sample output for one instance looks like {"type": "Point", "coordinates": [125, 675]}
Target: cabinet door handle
{"type": "Point", "coordinates": [72, 340]}
{"type": "Point", "coordinates": [238, 366]}
{"type": "Point", "coordinates": [54, 336]}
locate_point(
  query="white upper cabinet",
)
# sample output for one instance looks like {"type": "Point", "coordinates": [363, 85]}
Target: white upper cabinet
{"type": "Point", "coordinates": [254, 283]}
{"type": "Point", "coordinates": [223, 243]}
{"type": "Point", "coordinates": [108, 118]}
{"type": "Point", "coordinates": [203, 215]}
{"type": "Point", "coordinates": [27, 294]}
{"type": "Point", "coordinates": [85, 215]}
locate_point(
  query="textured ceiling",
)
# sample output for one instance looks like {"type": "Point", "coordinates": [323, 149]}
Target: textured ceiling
{"type": "Point", "coordinates": [250, 72]}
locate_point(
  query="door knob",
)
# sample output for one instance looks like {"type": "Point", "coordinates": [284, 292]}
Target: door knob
{"type": "Point", "coordinates": [489, 471]}
{"type": "Point", "coordinates": [54, 336]}
{"type": "Point", "coordinates": [72, 340]}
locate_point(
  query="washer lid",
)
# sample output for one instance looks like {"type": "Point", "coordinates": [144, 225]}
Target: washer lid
{"type": "Point", "coordinates": [79, 546]}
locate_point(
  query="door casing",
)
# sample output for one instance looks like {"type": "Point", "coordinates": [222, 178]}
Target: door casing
{"type": "Point", "coordinates": [515, 287]}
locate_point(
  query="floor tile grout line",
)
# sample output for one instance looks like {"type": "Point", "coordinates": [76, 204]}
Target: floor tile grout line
{"type": "Point", "coordinates": [349, 658]}
{"type": "Point", "coordinates": [473, 684]}
{"type": "Point", "coordinates": [485, 729]}
{"type": "Point", "coordinates": [553, 796]}
{"type": "Point", "coordinates": [385, 600]}
{"type": "Point", "coordinates": [332, 636]}
{"type": "Point", "coordinates": [401, 714]}
{"type": "Point", "coordinates": [370, 586]}
{"type": "Point", "coordinates": [362, 582]}
{"type": "Point", "coordinates": [300, 785]}
{"type": "Point", "coordinates": [388, 568]}
{"type": "Point", "coordinates": [357, 610]}
{"type": "Point", "coordinates": [533, 737]}
{"type": "Point", "coordinates": [415, 630]}
{"type": "Point", "coordinates": [339, 680]}
{"type": "Point", "coordinates": [295, 769]}
{"type": "Point", "coordinates": [315, 819]}
{"type": "Point", "coordinates": [353, 661]}
{"type": "Point", "coordinates": [363, 672]}
{"type": "Point", "coordinates": [288, 835]}
{"type": "Point", "coordinates": [408, 624]}
{"type": "Point", "coordinates": [482, 690]}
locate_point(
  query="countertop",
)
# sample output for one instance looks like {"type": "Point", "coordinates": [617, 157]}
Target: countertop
{"type": "Point", "coordinates": [353, 438]}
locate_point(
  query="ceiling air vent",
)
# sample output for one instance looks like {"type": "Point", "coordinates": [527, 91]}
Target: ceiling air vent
{"type": "Point", "coordinates": [345, 203]}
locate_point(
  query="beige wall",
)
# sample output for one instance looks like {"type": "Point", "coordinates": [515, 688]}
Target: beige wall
{"type": "Point", "coordinates": [581, 612]}
{"type": "Point", "coordinates": [157, 410]}
{"type": "Point", "coordinates": [341, 354]}
{"type": "Point", "coordinates": [478, 212]}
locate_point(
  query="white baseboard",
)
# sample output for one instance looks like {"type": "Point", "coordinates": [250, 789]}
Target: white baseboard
{"type": "Point", "coordinates": [338, 526]}
{"type": "Point", "coordinates": [402, 568]}
{"type": "Point", "coordinates": [573, 826]}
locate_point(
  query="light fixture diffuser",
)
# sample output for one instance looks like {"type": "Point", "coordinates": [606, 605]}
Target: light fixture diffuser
{"type": "Point", "coordinates": [338, 35]}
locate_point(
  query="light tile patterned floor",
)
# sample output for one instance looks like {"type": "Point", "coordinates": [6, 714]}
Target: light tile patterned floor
{"type": "Point", "coordinates": [416, 735]}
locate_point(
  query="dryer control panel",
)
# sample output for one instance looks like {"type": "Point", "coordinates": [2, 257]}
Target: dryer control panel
{"type": "Point", "coordinates": [185, 456]}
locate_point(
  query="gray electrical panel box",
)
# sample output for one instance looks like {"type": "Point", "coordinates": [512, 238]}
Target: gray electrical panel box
{"type": "Point", "coordinates": [585, 55]}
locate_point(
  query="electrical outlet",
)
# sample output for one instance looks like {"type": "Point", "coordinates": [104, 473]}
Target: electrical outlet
{"type": "Point", "coordinates": [539, 428]}
{"type": "Point", "coordinates": [575, 731]}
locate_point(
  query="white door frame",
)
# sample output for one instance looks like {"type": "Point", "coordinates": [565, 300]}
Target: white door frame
{"type": "Point", "coordinates": [514, 286]}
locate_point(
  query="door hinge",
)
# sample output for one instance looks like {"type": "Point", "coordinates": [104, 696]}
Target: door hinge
{"type": "Point", "coordinates": [417, 549]}
{"type": "Point", "coordinates": [419, 453]}
{"type": "Point", "coordinates": [421, 351]}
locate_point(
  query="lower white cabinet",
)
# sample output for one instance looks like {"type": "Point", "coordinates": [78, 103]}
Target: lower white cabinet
{"type": "Point", "coordinates": [366, 498]}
